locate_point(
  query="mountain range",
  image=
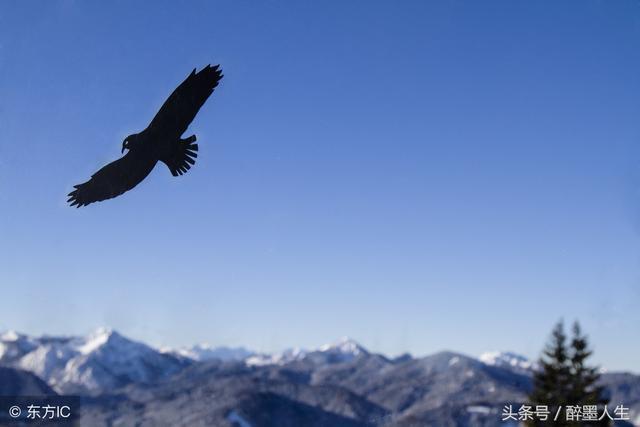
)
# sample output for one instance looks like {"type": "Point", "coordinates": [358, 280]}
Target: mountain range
{"type": "Point", "coordinates": [124, 382]}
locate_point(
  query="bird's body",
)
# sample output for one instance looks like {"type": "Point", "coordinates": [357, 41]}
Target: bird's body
{"type": "Point", "coordinates": [160, 141]}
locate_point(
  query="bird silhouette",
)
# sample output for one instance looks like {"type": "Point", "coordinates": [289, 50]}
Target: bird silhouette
{"type": "Point", "coordinates": [160, 141]}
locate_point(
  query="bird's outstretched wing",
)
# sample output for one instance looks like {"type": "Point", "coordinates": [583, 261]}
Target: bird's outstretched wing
{"type": "Point", "coordinates": [112, 180]}
{"type": "Point", "coordinates": [184, 103]}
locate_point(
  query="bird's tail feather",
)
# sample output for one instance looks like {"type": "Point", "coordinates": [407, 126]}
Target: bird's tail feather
{"type": "Point", "coordinates": [183, 156]}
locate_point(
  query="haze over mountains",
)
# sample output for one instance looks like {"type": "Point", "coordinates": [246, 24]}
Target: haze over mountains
{"type": "Point", "coordinates": [125, 382]}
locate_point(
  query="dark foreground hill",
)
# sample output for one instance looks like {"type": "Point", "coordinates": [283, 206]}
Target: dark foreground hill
{"type": "Point", "coordinates": [16, 382]}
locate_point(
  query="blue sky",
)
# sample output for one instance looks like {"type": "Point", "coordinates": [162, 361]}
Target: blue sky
{"type": "Point", "coordinates": [417, 175]}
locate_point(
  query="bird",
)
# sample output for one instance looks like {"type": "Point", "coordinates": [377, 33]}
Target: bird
{"type": "Point", "coordinates": [160, 141]}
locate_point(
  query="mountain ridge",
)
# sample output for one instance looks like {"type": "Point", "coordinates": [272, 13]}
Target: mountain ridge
{"type": "Point", "coordinates": [341, 383]}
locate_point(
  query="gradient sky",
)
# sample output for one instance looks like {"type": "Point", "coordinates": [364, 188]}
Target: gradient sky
{"type": "Point", "coordinates": [417, 175]}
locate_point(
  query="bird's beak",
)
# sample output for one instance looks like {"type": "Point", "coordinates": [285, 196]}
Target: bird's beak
{"type": "Point", "coordinates": [122, 149]}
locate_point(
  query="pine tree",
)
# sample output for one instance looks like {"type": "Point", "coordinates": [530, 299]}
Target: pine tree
{"type": "Point", "coordinates": [551, 383]}
{"type": "Point", "coordinates": [584, 388]}
{"type": "Point", "coordinates": [565, 379]}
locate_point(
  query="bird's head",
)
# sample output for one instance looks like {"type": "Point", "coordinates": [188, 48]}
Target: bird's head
{"type": "Point", "coordinates": [128, 142]}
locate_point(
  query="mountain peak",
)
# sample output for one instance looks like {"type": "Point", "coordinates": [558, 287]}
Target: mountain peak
{"type": "Point", "coordinates": [510, 360]}
{"type": "Point", "coordinates": [10, 336]}
{"type": "Point", "coordinates": [344, 345]}
{"type": "Point", "coordinates": [201, 352]}
{"type": "Point", "coordinates": [101, 360]}
{"type": "Point", "coordinates": [103, 332]}
{"type": "Point", "coordinates": [97, 338]}
{"type": "Point", "coordinates": [342, 350]}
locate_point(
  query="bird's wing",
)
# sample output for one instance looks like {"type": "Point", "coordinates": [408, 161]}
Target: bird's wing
{"type": "Point", "coordinates": [184, 103]}
{"type": "Point", "coordinates": [112, 180]}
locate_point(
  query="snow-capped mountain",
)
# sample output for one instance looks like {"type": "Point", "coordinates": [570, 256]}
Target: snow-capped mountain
{"type": "Point", "coordinates": [202, 352]}
{"type": "Point", "coordinates": [103, 360]}
{"type": "Point", "coordinates": [281, 358]}
{"type": "Point", "coordinates": [336, 384]}
{"type": "Point", "coordinates": [345, 348]}
{"type": "Point", "coordinates": [14, 345]}
{"type": "Point", "coordinates": [342, 350]}
{"type": "Point", "coordinates": [508, 360]}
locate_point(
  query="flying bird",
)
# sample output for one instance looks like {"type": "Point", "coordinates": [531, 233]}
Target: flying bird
{"type": "Point", "coordinates": [160, 141]}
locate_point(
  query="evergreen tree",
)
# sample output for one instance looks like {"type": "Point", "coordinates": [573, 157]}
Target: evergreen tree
{"type": "Point", "coordinates": [565, 379]}
{"type": "Point", "coordinates": [551, 383]}
{"type": "Point", "coordinates": [584, 388]}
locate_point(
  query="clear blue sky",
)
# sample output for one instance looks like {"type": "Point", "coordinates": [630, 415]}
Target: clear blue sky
{"type": "Point", "coordinates": [417, 175]}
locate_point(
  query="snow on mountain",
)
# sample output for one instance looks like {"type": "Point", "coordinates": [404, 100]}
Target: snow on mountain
{"type": "Point", "coordinates": [342, 350]}
{"type": "Point", "coordinates": [236, 419]}
{"type": "Point", "coordinates": [14, 345]}
{"type": "Point", "coordinates": [202, 352]}
{"type": "Point", "coordinates": [10, 336]}
{"type": "Point", "coordinates": [103, 360]}
{"type": "Point", "coordinates": [106, 359]}
{"type": "Point", "coordinates": [282, 358]}
{"type": "Point", "coordinates": [508, 360]}
{"type": "Point", "coordinates": [96, 339]}
{"type": "Point", "coordinates": [345, 346]}
{"type": "Point", "coordinates": [46, 359]}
